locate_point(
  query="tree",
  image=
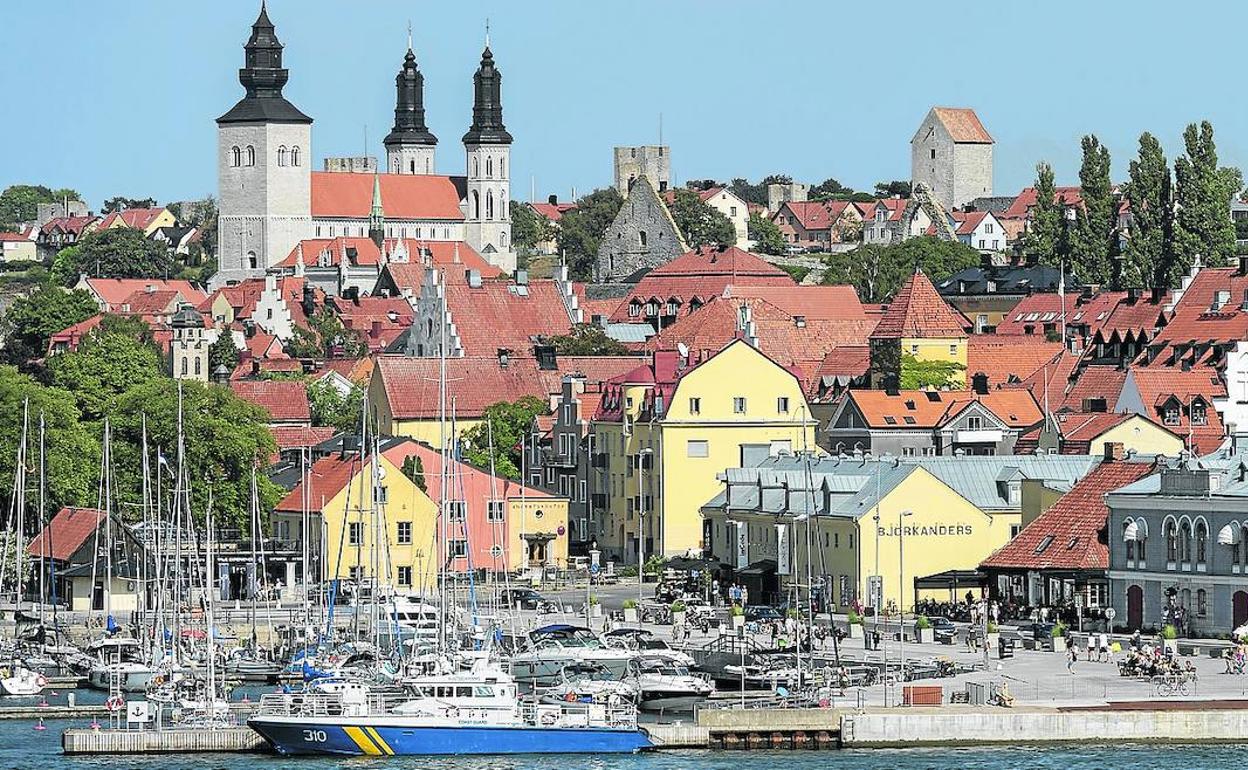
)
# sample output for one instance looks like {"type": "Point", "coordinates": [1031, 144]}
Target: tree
{"type": "Point", "coordinates": [121, 203]}
{"type": "Point", "coordinates": [876, 272]}
{"type": "Point", "coordinates": [500, 433]}
{"type": "Point", "coordinates": [1044, 231]}
{"type": "Point", "coordinates": [225, 437]}
{"type": "Point", "coordinates": [224, 352]}
{"type": "Point", "coordinates": [529, 228]}
{"type": "Point", "coordinates": [201, 214]}
{"type": "Point", "coordinates": [699, 223]}
{"type": "Point", "coordinates": [582, 228]}
{"type": "Point", "coordinates": [119, 252]}
{"type": "Point", "coordinates": [1203, 194]}
{"type": "Point", "coordinates": [829, 188]}
{"type": "Point", "coordinates": [332, 408]}
{"type": "Point", "coordinates": [326, 337]}
{"type": "Point", "coordinates": [32, 320]}
{"type": "Point", "coordinates": [587, 339]}
{"type": "Point", "coordinates": [72, 449]}
{"type": "Point", "coordinates": [898, 187]}
{"type": "Point", "coordinates": [1149, 257]}
{"type": "Point", "coordinates": [116, 356]}
{"type": "Point", "coordinates": [1092, 238]}
{"type": "Point", "coordinates": [766, 235]}
{"type": "Point", "coordinates": [414, 469]}
{"type": "Point", "coordinates": [929, 374]}
{"type": "Point", "coordinates": [20, 202]}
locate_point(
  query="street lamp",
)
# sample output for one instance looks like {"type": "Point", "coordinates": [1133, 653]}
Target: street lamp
{"type": "Point", "coordinates": [641, 527]}
{"type": "Point", "coordinates": [901, 588]}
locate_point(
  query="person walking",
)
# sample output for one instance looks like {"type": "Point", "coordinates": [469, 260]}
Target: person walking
{"type": "Point", "coordinates": [1072, 654]}
{"type": "Point", "coordinates": [1104, 654]}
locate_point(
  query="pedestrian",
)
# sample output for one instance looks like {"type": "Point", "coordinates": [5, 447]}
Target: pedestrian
{"type": "Point", "coordinates": [1071, 656]}
{"type": "Point", "coordinates": [1104, 655]}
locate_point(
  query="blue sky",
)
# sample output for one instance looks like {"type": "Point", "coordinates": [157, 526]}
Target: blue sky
{"type": "Point", "coordinates": [119, 97]}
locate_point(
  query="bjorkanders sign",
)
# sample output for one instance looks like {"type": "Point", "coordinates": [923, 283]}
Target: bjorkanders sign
{"type": "Point", "coordinates": [928, 530]}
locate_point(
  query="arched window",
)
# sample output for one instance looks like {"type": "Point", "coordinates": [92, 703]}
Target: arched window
{"type": "Point", "coordinates": [251, 259]}
{"type": "Point", "coordinates": [197, 365]}
{"type": "Point", "coordinates": [184, 365]}
{"type": "Point", "coordinates": [502, 168]}
{"type": "Point", "coordinates": [411, 166]}
{"type": "Point", "coordinates": [236, 157]}
{"type": "Point", "coordinates": [251, 155]}
{"type": "Point", "coordinates": [476, 166]}
{"type": "Point", "coordinates": [281, 155]}
{"type": "Point", "coordinates": [489, 204]}
{"type": "Point", "coordinates": [1202, 603]}
{"type": "Point", "coordinates": [1172, 542]}
{"type": "Point", "coordinates": [294, 155]}
{"type": "Point", "coordinates": [489, 167]}
{"type": "Point", "coordinates": [1129, 542]}
{"type": "Point", "coordinates": [476, 205]}
{"type": "Point", "coordinates": [1202, 541]}
{"type": "Point", "coordinates": [502, 240]}
{"type": "Point", "coordinates": [1185, 542]}
{"type": "Point", "coordinates": [641, 238]}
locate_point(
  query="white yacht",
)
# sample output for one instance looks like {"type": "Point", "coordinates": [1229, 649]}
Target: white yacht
{"type": "Point", "coordinates": [550, 648]}
{"type": "Point", "coordinates": [664, 686]}
{"type": "Point", "coordinates": [118, 660]}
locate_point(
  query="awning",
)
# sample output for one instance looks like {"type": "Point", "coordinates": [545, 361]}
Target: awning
{"type": "Point", "coordinates": [764, 567]}
{"type": "Point", "coordinates": [1230, 534]}
{"type": "Point", "coordinates": [1135, 531]}
{"type": "Point", "coordinates": [954, 578]}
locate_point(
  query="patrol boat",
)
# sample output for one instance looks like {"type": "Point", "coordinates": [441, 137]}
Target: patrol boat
{"type": "Point", "coordinates": [459, 712]}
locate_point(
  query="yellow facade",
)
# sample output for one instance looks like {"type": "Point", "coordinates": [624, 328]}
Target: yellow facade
{"type": "Point", "coordinates": [736, 403]}
{"type": "Point", "coordinates": [546, 516]}
{"type": "Point", "coordinates": [164, 219]}
{"type": "Point", "coordinates": [1140, 434]}
{"type": "Point", "coordinates": [426, 430]}
{"type": "Point", "coordinates": [942, 349]}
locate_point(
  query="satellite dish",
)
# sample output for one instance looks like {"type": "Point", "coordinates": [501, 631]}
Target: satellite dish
{"type": "Point", "coordinates": [683, 349]}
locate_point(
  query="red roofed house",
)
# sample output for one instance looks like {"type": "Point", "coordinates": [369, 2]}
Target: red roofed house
{"type": "Point", "coordinates": [1087, 433]}
{"type": "Point", "coordinates": [147, 220]}
{"type": "Point", "coordinates": [919, 332]}
{"type": "Point", "coordinates": [951, 155]}
{"type": "Point", "coordinates": [59, 232]}
{"type": "Point", "coordinates": [286, 401]}
{"type": "Point", "coordinates": [726, 202]}
{"type": "Point", "coordinates": [886, 223]}
{"type": "Point", "coordinates": [1182, 401]}
{"type": "Point", "coordinates": [820, 223]}
{"type": "Point", "coordinates": [379, 321]}
{"type": "Point", "coordinates": [552, 210]}
{"type": "Point", "coordinates": [341, 265]}
{"type": "Point", "coordinates": [140, 296]}
{"type": "Point", "coordinates": [70, 548]}
{"type": "Point", "coordinates": [1063, 554]}
{"type": "Point", "coordinates": [18, 247]}
{"type": "Point", "coordinates": [978, 229]}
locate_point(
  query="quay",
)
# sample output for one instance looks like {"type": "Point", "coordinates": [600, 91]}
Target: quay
{"type": "Point", "coordinates": [53, 712]}
{"type": "Point", "coordinates": [170, 741]}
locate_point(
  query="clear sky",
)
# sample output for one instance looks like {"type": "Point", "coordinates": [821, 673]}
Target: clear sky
{"type": "Point", "coordinates": [119, 98]}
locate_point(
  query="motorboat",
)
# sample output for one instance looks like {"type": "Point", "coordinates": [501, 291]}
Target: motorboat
{"type": "Point", "coordinates": [20, 680]}
{"type": "Point", "coordinates": [550, 648]}
{"type": "Point", "coordinates": [118, 663]}
{"type": "Point", "coordinates": [247, 664]}
{"type": "Point", "coordinates": [664, 686]}
{"type": "Point", "coordinates": [643, 641]}
{"type": "Point", "coordinates": [589, 683]}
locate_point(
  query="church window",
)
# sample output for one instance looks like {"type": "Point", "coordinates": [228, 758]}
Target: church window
{"type": "Point", "coordinates": [489, 167]}
{"type": "Point", "coordinates": [197, 369]}
{"type": "Point", "coordinates": [502, 168]}
{"type": "Point", "coordinates": [476, 203]}
{"type": "Point", "coordinates": [251, 155]}
{"type": "Point", "coordinates": [428, 166]}
{"type": "Point", "coordinates": [236, 157]}
{"type": "Point", "coordinates": [294, 155]}
{"type": "Point", "coordinates": [489, 203]}
{"type": "Point", "coordinates": [281, 155]}
{"type": "Point", "coordinates": [641, 237]}
{"type": "Point", "coordinates": [412, 166]}
{"type": "Point", "coordinates": [476, 166]}
{"type": "Point", "coordinates": [184, 365]}
{"type": "Point", "coordinates": [251, 259]}
{"type": "Point", "coordinates": [502, 240]}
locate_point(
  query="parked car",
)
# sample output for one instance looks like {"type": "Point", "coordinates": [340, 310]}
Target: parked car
{"type": "Point", "coordinates": [755, 613]}
{"type": "Point", "coordinates": [524, 598]}
{"type": "Point", "coordinates": [943, 629]}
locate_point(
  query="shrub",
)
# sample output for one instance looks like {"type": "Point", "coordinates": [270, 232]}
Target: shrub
{"type": "Point", "coordinates": [922, 622]}
{"type": "Point", "coordinates": [1169, 632]}
{"type": "Point", "coordinates": [678, 606]}
{"type": "Point", "coordinates": [993, 628]}
{"type": "Point", "coordinates": [1058, 630]}
{"type": "Point", "coordinates": [737, 611]}
{"type": "Point", "coordinates": [593, 599]}
{"type": "Point", "coordinates": [854, 618]}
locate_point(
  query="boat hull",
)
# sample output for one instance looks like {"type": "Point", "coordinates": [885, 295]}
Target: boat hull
{"type": "Point", "coordinates": [385, 737]}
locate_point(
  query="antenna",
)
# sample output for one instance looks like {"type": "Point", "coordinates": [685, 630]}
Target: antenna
{"type": "Point", "coordinates": [409, 34]}
{"type": "Point", "coordinates": [487, 31]}
{"type": "Point", "coordinates": [365, 140]}
{"type": "Point", "coordinates": [660, 129]}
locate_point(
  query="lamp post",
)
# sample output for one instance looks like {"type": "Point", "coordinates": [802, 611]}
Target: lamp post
{"type": "Point", "coordinates": [901, 588]}
{"type": "Point", "coordinates": [641, 525]}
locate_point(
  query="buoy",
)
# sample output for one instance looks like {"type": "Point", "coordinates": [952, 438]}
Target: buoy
{"type": "Point", "coordinates": [40, 725]}
{"type": "Point", "coordinates": [246, 699]}
{"type": "Point", "coordinates": [95, 724]}
{"type": "Point", "coordinates": [43, 704]}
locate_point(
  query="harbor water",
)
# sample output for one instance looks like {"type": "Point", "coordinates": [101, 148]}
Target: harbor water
{"type": "Point", "coordinates": [22, 747]}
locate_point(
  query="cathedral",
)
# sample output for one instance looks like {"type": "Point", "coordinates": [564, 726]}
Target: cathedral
{"type": "Point", "coordinates": [271, 202]}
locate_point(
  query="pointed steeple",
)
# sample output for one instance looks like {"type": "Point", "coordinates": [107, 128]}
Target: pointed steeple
{"type": "Point", "coordinates": [487, 102]}
{"type": "Point", "coordinates": [409, 104]}
{"type": "Point", "coordinates": [263, 77]}
{"type": "Point", "coordinates": [377, 215]}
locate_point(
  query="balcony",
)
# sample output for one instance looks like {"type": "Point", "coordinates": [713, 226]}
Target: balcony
{"type": "Point", "coordinates": [556, 459]}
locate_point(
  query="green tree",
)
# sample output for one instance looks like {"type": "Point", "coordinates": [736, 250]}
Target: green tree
{"type": "Point", "coordinates": [119, 252]}
{"type": "Point", "coordinates": [921, 375]}
{"type": "Point", "coordinates": [1092, 239]}
{"type": "Point", "coordinates": [502, 428]}
{"type": "Point", "coordinates": [876, 272]}
{"type": "Point", "coordinates": [116, 356]}
{"type": "Point", "coordinates": [898, 187]}
{"type": "Point", "coordinates": [121, 203]}
{"type": "Point", "coordinates": [1149, 259]}
{"type": "Point", "coordinates": [766, 235]}
{"type": "Point", "coordinates": [581, 230]}
{"type": "Point", "coordinates": [332, 408]}
{"type": "Point", "coordinates": [1043, 238]}
{"type": "Point", "coordinates": [699, 223]}
{"type": "Point", "coordinates": [1203, 194]}
{"type": "Point", "coordinates": [32, 320]}
{"type": "Point", "coordinates": [224, 352]}
{"type": "Point", "coordinates": [224, 436]}
{"type": "Point", "coordinates": [326, 337]}
{"type": "Point", "coordinates": [828, 189]}
{"type": "Point", "coordinates": [19, 202]}
{"type": "Point", "coordinates": [72, 449]}
{"type": "Point", "coordinates": [414, 469]}
{"type": "Point", "coordinates": [587, 339]}
{"type": "Point", "coordinates": [529, 228]}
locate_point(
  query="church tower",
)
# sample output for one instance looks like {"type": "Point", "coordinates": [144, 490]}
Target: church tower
{"type": "Point", "coordinates": [487, 221]}
{"type": "Point", "coordinates": [377, 215]}
{"type": "Point", "coordinates": [410, 145]}
{"type": "Point", "coordinates": [264, 161]}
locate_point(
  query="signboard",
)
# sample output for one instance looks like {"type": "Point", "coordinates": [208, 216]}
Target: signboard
{"type": "Point", "coordinates": [875, 590]}
{"type": "Point", "coordinates": [138, 712]}
{"type": "Point", "coordinates": [1110, 613]}
{"type": "Point", "coordinates": [782, 550]}
{"type": "Point", "coordinates": [743, 545]}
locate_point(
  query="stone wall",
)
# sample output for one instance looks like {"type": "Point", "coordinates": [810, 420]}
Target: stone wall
{"type": "Point", "coordinates": [651, 161]}
{"type": "Point", "coordinates": [642, 237]}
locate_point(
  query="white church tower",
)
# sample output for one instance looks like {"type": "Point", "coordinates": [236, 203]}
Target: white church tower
{"type": "Point", "coordinates": [264, 162]}
{"type": "Point", "coordinates": [487, 221]}
{"type": "Point", "coordinates": [410, 146]}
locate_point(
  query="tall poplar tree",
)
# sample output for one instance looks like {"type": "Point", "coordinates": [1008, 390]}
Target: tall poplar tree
{"type": "Point", "coordinates": [1044, 232]}
{"type": "Point", "coordinates": [1092, 239]}
{"type": "Point", "coordinates": [1203, 195]}
{"type": "Point", "coordinates": [1149, 259]}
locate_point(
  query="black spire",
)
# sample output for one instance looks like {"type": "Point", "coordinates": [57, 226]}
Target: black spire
{"type": "Point", "coordinates": [487, 104]}
{"type": "Point", "coordinates": [409, 106]}
{"type": "Point", "coordinates": [263, 77]}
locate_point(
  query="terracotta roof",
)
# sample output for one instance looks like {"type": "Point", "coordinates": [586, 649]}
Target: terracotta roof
{"type": "Point", "coordinates": [14, 237]}
{"type": "Point", "coordinates": [378, 320]}
{"type": "Point", "coordinates": [71, 336]}
{"type": "Point", "coordinates": [285, 400]}
{"type": "Point", "coordinates": [326, 478]}
{"type": "Point", "coordinates": [812, 215]}
{"type": "Point", "coordinates": [604, 307]}
{"type": "Point", "coordinates": [1009, 359]}
{"type": "Point", "coordinates": [497, 314]}
{"type": "Point", "coordinates": [403, 196]}
{"type": "Point", "coordinates": [115, 291]}
{"type": "Point", "coordinates": [411, 384]}
{"type": "Point", "coordinates": [894, 206]}
{"type": "Point", "coordinates": [1155, 387]}
{"type": "Point", "coordinates": [363, 251]}
{"type": "Point", "coordinates": [963, 125]}
{"type": "Point", "coordinates": [1079, 429]}
{"type": "Point", "coordinates": [139, 219]}
{"type": "Point", "coordinates": [917, 310]}
{"type": "Point", "coordinates": [1096, 381]}
{"type": "Point", "coordinates": [297, 436]}
{"type": "Point", "coordinates": [839, 303]}
{"type": "Point", "coordinates": [553, 211]}
{"type": "Point", "coordinates": [1022, 205]}
{"type": "Point", "coordinates": [1069, 534]}
{"type": "Point", "coordinates": [1036, 310]}
{"type": "Point", "coordinates": [74, 225]}
{"type": "Point", "coordinates": [968, 221]}
{"type": "Point", "coordinates": [147, 303]}
{"type": "Point", "coordinates": [66, 533]}
{"type": "Point", "coordinates": [474, 484]}
{"type": "Point", "coordinates": [1195, 319]}
{"type": "Point", "coordinates": [933, 408]}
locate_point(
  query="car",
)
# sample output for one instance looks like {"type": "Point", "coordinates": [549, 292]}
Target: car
{"type": "Point", "coordinates": [1040, 632]}
{"type": "Point", "coordinates": [755, 613]}
{"type": "Point", "coordinates": [522, 598]}
{"type": "Point", "coordinates": [943, 629]}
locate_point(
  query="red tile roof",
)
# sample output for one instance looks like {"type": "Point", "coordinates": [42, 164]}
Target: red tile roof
{"type": "Point", "coordinates": [497, 314]}
{"type": "Point", "coordinates": [1096, 381]}
{"type": "Point", "coordinates": [839, 303]}
{"type": "Point", "coordinates": [917, 310]}
{"type": "Point", "coordinates": [702, 274]}
{"type": "Point", "coordinates": [326, 478]}
{"type": "Point", "coordinates": [139, 219]}
{"type": "Point", "coordinates": [1069, 534]}
{"type": "Point", "coordinates": [1010, 359]}
{"type": "Point", "coordinates": [1155, 387]}
{"type": "Point", "coordinates": [812, 215]}
{"type": "Point", "coordinates": [76, 225]}
{"type": "Point", "coordinates": [1038, 309]}
{"type": "Point", "coordinates": [1195, 319]}
{"type": "Point", "coordinates": [66, 533]}
{"type": "Point", "coordinates": [963, 125]}
{"type": "Point", "coordinates": [553, 211]}
{"type": "Point", "coordinates": [378, 320]}
{"type": "Point", "coordinates": [403, 196]}
{"type": "Point", "coordinates": [115, 291]}
{"type": "Point", "coordinates": [297, 436]}
{"type": "Point", "coordinates": [1022, 205]}
{"type": "Point", "coordinates": [285, 400]}
{"type": "Point", "coordinates": [14, 237]}
{"type": "Point", "coordinates": [363, 251]}
{"type": "Point", "coordinates": [71, 336]}
{"type": "Point", "coordinates": [931, 409]}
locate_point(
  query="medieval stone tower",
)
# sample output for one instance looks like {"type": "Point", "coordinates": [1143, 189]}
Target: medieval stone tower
{"type": "Point", "coordinates": [410, 145]}
{"type": "Point", "coordinates": [654, 162]}
{"type": "Point", "coordinates": [264, 162]}
{"type": "Point", "coordinates": [488, 146]}
{"type": "Point", "coordinates": [951, 153]}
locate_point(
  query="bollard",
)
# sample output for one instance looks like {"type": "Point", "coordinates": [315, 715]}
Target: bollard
{"type": "Point", "coordinates": [71, 699]}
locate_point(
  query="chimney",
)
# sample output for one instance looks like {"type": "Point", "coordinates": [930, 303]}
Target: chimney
{"type": "Point", "coordinates": [891, 385]}
{"type": "Point", "coordinates": [546, 358]}
{"type": "Point", "coordinates": [474, 278]}
{"type": "Point", "coordinates": [522, 277]}
{"type": "Point", "coordinates": [504, 357]}
{"type": "Point", "coordinates": [552, 199]}
{"type": "Point", "coordinates": [350, 445]}
{"type": "Point", "coordinates": [979, 383]}
{"type": "Point", "coordinates": [375, 331]}
{"type": "Point", "coordinates": [1113, 451]}
{"type": "Point", "coordinates": [1133, 295]}
{"type": "Point", "coordinates": [1159, 292]}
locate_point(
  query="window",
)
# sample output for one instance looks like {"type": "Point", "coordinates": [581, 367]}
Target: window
{"type": "Point", "coordinates": [695, 406]}
{"type": "Point", "coordinates": [251, 155]}
{"type": "Point", "coordinates": [1202, 603]}
{"type": "Point", "coordinates": [908, 451]}
{"type": "Point", "coordinates": [1185, 542]}
{"type": "Point", "coordinates": [914, 350]}
{"type": "Point", "coordinates": [634, 309]}
{"type": "Point", "coordinates": [988, 228]}
{"type": "Point", "coordinates": [489, 205]}
{"type": "Point", "coordinates": [294, 155]}
{"type": "Point", "coordinates": [738, 405]}
{"type": "Point", "coordinates": [1130, 544]}
{"type": "Point", "coordinates": [974, 423]}
{"type": "Point", "coordinates": [236, 157]}
{"type": "Point", "coordinates": [782, 405]}
{"type": "Point", "coordinates": [1202, 541]}
{"type": "Point", "coordinates": [1044, 544]}
{"type": "Point", "coordinates": [641, 238]}
{"type": "Point", "coordinates": [1014, 530]}
{"type": "Point", "coordinates": [489, 168]}
{"type": "Point", "coordinates": [456, 510]}
{"type": "Point", "coordinates": [457, 549]}
{"type": "Point", "coordinates": [404, 533]}
{"type": "Point", "coordinates": [953, 349]}
{"type": "Point", "coordinates": [185, 363]}
{"type": "Point", "coordinates": [405, 576]}
{"type": "Point", "coordinates": [281, 155]}
{"type": "Point", "coordinates": [933, 152]}
{"type": "Point", "coordinates": [733, 209]}
{"type": "Point", "coordinates": [697, 448]}
{"type": "Point", "coordinates": [1200, 414]}
{"type": "Point", "coordinates": [381, 495]}
{"type": "Point", "coordinates": [1170, 415]}
{"type": "Point", "coordinates": [583, 493]}
{"type": "Point", "coordinates": [197, 369]}
{"type": "Point", "coordinates": [1172, 542]}
{"type": "Point", "coordinates": [355, 533]}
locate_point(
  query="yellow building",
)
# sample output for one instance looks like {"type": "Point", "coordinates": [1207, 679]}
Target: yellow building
{"type": "Point", "coordinates": [148, 220]}
{"type": "Point", "coordinates": [666, 430]}
{"type": "Point", "coordinates": [920, 340]}
{"type": "Point", "coordinates": [903, 520]}
{"type": "Point", "coordinates": [1089, 432]}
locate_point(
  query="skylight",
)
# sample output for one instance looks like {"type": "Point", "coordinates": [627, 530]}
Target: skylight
{"type": "Point", "coordinates": [1045, 543]}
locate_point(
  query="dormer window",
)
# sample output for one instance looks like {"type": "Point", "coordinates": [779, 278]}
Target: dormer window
{"type": "Point", "coordinates": [1200, 413]}
{"type": "Point", "coordinates": [1170, 414]}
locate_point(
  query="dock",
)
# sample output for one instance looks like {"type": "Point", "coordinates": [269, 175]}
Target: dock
{"type": "Point", "coordinates": [172, 741]}
{"type": "Point", "coordinates": [54, 712]}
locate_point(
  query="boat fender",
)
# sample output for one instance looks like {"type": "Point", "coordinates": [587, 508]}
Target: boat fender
{"type": "Point", "coordinates": [570, 697]}
{"type": "Point", "coordinates": [114, 703]}
{"type": "Point", "coordinates": [41, 680]}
